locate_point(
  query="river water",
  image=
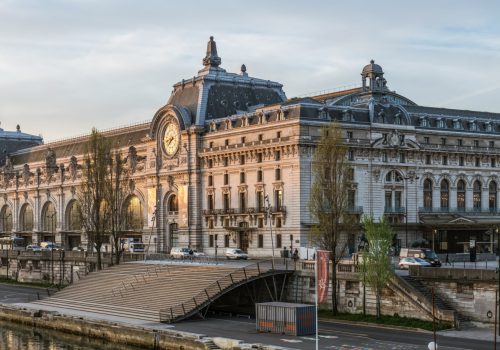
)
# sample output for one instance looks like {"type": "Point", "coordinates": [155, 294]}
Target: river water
{"type": "Point", "coordinates": [18, 337]}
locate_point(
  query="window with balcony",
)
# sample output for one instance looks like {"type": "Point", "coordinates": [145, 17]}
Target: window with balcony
{"type": "Point", "coordinates": [445, 194]}
{"type": "Point", "coordinates": [226, 142]}
{"type": "Point", "coordinates": [388, 199]}
{"type": "Point", "coordinates": [226, 202]}
{"type": "Point", "coordinates": [476, 195]}
{"type": "Point", "coordinates": [243, 202]}
{"type": "Point", "coordinates": [278, 199]}
{"type": "Point", "coordinates": [492, 196]}
{"type": "Point", "coordinates": [210, 202]}
{"type": "Point", "coordinates": [428, 193]}
{"type": "Point", "coordinates": [260, 201]}
{"type": "Point", "coordinates": [461, 195]}
{"type": "Point", "coordinates": [260, 223]}
{"type": "Point", "coordinates": [278, 223]}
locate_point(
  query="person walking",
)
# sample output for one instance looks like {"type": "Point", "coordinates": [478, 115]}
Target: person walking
{"type": "Point", "coordinates": [447, 260]}
{"type": "Point", "coordinates": [295, 255]}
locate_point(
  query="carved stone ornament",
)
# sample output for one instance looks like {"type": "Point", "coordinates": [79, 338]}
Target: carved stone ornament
{"type": "Point", "coordinates": [26, 174]}
{"type": "Point", "coordinates": [133, 159]}
{"type": "Point", "coordinates": [131, 185]}
{"type": "Point", "coordinates": [73, 168]}
{"type": "Point", "coordinates": [394, 139]}
{"type": "Point", "coordinates": [50, 162]}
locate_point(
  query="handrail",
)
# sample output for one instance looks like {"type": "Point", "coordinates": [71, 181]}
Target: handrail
{"type": "Point", "coordinates": [210, 293]}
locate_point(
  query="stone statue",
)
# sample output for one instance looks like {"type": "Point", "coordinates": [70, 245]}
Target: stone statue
{"type": "Point", "coordinates": [51, 162]}
{"type": "Point", "coordinates": [73, 167]}
{"type": "Point", "coordinates": [26, 174]}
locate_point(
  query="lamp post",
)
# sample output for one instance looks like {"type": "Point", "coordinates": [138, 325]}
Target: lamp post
{"type": "Point", "coordinates": [268, 211]}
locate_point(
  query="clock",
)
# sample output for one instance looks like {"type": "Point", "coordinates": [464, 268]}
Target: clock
{"type": "Point", "coordinates": [171, 139]}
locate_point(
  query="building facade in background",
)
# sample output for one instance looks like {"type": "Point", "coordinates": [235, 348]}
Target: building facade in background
{"type": "Point", "coordinates": [227, 163]}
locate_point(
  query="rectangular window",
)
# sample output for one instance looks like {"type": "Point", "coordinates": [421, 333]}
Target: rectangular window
{"type": "Point", "coordinates": [210, 144]}
{"type": "Point", "coordinates": [428, 159]}
{"type": "Point", "coordinates": [402, 158]}
{"type": "Point", "coordinates": [242, 178]}
{"type": "Point", "coordinates": [351, 198]}
{"type": "Point", "coordinates": [260, 201]}
{"type": "Point", "coordinates": [493, 162]}
{"type": "Point", "coordinates": [242, 159]}
{"type": "Point", "coordinates": [261, 241]}
{"type": "Point", "coordinates": [426, 140]}
{"type": "Point", "coordinates": [277, 155]}
{"type": "Point", "coordinates": [278, 199]}
{"type": "Point", "coordinates": [278, 134]}
{"type": "Point", "coordinates": [476, 143]}
{"type": "Point", "coordinates": [259, 157]}
{"type": "Point", "coordinates": [226, 179]}
{"type": "Point", "coordinates": [226, 241]}
{"type": "Point", "coordinates": [226, 142]}
{"type": "Point", "coordinates": [443, 141]}
{"type": "Point", "coordinates": [260, 223]}
{"type": "Point", "coordinates": [461, 161]}
{"type": "Point", "coordinates": [210, 224]}
{"type": "Point", "coordinates": [460, 142]}
{"type": "Point", "coordinates": [211, 241]}
{"type": "Point", "coordinates": [445, 160]}
{"type": "Point", "coordinates": [278, 222]}
{"type": "Point", "coordinates": [350, 174]}
{"type": "Point", "coordinates": [384, 157]}
{"type": "Point", "coordinates": [388, 199]}
{"type": "Point", "coordinates": [210, 163]}
{"type": "Point", "coordinates": [492, 144]}
{"type": "Point", "coordinates": [259, 176]}
{"type": "Point", "coordinates": [243, 202]}
{"type": "Point", "coordinates": [278, 241]}
{"type": "Point", "coordinates": [397, 199]}
{"type": "Point", "coordinates": [478, 162]}
{"type": "Point", "coordinates": [210, 202]}
{"type": "Point", "coordinates": [226, 161]}
{"type": "Point", "coordinates": [226, 201]}
{"type": "Point", "coordinates": [277, 174]}
{"type": "Point", "coordinates": [260, 137]}
{"type": "Point", "coordinates": [350, 155]}
{"type": "Point", "coordinates": [243, 139]}
{"type": "Point", "coordinates": [349, 135]}
{"type": "Point", "coordinates": [210, 180]}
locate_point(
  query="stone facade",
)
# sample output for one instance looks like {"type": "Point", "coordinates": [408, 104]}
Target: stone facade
{"type": "Point", "coordinates": [227, 161]}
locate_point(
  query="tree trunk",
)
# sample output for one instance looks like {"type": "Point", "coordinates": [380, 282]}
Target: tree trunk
{"type": "Point", "coordinates": [378, 302]}
{"type": "Point", "coordinates": [334, 288]}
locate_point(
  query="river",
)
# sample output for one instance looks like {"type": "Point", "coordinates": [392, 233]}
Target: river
{"type": "Point", "coordinates": [18, 337]}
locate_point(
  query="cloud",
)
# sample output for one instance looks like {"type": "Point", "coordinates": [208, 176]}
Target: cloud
{"type": "Point", "coordinates": [66, 66]}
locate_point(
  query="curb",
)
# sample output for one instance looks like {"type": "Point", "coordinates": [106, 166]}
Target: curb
{"type": "Point", "coordinates": [375, 325]}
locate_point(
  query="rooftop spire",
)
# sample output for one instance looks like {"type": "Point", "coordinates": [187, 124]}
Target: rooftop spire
{"type": "Point", "coordinates": [211, 59]}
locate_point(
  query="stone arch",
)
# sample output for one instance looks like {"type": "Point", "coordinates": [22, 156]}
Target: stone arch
{"type": "Point", "coordinates": [26, 217]}
{"type": "Point", "coordinates": [49, 217]}
{"type": "Point", "coordinates": [6, 218]}
{"type": "Point", "coordinates": [133, 213]}
{"type": "Point", "coordinates": [72, 215]}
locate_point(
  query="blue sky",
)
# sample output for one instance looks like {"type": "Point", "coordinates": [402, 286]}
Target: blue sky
{"type": "Point", "coordinates": [66, 66]}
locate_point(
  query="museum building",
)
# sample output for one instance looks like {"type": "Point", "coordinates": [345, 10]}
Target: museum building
{"type": "Point", "coordinates": [226, 162]}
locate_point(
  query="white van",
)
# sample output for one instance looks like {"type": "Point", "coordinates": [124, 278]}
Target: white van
{"type": "Point", "coordinates": [179, 252]}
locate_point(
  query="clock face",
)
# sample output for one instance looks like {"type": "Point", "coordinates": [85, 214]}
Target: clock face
{"type": "Point", "coordinates": [171, 139]}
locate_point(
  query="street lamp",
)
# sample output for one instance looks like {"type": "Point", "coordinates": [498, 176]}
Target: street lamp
{"type": "Point", "coordinates": [268, 211]}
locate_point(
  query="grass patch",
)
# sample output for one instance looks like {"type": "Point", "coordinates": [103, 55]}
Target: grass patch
{"type": "Point", "coordinates": [386, 320]}
{"type": "Point", "coordinates": [30, 284]}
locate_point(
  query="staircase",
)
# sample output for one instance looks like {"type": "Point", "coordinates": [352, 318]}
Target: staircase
{"type": "Point", "coordinates": [439, 302]}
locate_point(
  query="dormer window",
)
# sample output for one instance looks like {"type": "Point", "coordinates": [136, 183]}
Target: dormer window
{"type": "Point", "coordinates": [424, 122]}
{"type": "Point", "coordinates": [488, 127]}
{"type": "Point", "coordinates": [440, 123]}
{"type": "Point", "coordinates": [457, 124]}
{"type": "Point", "coordinates": [472, 126]}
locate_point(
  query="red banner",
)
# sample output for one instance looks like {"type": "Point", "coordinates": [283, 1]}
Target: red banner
{"type": "Point", "coordinates": [322, 263]}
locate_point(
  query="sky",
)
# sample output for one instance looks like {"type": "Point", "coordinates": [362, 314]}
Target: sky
{"type": "Point", "coordinates": [68, 66]}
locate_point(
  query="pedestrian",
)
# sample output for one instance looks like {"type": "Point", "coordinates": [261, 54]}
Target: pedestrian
{"type": "Point", "coordinates": [191, 254]}
{"type": "Point", "coordinates": [295, 255]}
{"type": "Point", "coordinates": [447, 260]}
{"type": "Point", "coordinates": [285, 252]}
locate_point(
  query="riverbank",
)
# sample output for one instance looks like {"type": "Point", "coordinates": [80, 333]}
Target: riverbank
{"type": "Point", "coordinates": [112, 332]}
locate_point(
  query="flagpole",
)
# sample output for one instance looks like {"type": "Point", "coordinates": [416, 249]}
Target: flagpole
{"type": "Point", "coordinates": [316, 299]}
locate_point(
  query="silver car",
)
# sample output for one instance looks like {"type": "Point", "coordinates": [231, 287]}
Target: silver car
{"type": "Point", "coordinates": [235, 253]}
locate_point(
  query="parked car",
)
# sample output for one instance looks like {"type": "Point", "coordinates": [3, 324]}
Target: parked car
{"type": "Point", "coordinates": [179, 252]}
{"type": "Point", "coordinates": [235, 253]}
{"type": "Point", "coordinates": [33, 248]}
{"type": "Point", "coordinates": [197, 253]}
{"type": "Point", "coordinates": [49, 246]}
{"type": "Point", "coordinates": [78, 249]}
{"type": "Point", "coordinates": [424, 253]}
{"type": "Point", "coordinates": [411, 261]}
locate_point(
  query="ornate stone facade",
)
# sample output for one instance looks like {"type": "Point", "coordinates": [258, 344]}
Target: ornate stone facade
{"type": "Point", "coordinates": [228, 146]}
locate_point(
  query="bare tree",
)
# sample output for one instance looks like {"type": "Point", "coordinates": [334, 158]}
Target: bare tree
{"type": "Point", "coordinates": [96, 213]}
{"type": "Point", "coordinates": [115, 195]}
{"type": "Point", "coordinates": [329, 198]}
{"type": "Point", "coordinates": [376, 267]}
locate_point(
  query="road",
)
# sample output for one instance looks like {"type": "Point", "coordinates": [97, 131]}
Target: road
{"type": "Point", "coordinates": [12, 293]}
{"type": "Point", "coordinates": [332, 335]}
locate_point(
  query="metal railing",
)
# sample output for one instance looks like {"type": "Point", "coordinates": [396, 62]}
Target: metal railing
{"type": "Point", "coordinates": [223, 285]}
{"type": "Point", "coordinates": [394, 210]}
{"type": "Point", "coordinates": [469, 211]}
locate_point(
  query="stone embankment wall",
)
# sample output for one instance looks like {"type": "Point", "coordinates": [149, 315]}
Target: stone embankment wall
{"type": "Point", "coordinates": [117, 333]}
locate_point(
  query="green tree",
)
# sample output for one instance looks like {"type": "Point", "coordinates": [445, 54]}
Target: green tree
{"type": "Point", "coordinates": [376, 266]}
{"type": "Point", "coordinates": [96, 211]}
{"type": "Point", "coordinates": [328, 201]}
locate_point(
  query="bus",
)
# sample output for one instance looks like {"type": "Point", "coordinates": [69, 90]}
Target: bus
{"type": "Point", "coordinates": [13, 243]}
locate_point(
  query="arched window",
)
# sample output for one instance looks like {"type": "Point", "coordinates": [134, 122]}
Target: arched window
{"type": "Point", "coordinates": [428, 193]}
{"type": "Point", "coordinates": [6, 219]}
{"type": "Point", "coordinates": [492, 196]}
{"type": "Point", "coordinates": [445, 194]}
{"type": "Point", "coordinates": [26, 218]}
{"type": "Point", "coordinates": [476, 195]}
{"type": "Point", "coordinates": [49, 218]}
{"type": "Point", "coordinates": [173, 205]}
{"type": "Point", "coordinates": [393, 176]}
{"type": "Point", "coordinates": [133, 214]}
{"type": "Point", "coordinates": [461, 195]}
{"type": "Point", "coordinates": [74, 216]}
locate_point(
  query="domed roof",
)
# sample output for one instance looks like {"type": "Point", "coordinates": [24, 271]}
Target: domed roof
{"type": "Point", "coordinates": [372, 68]}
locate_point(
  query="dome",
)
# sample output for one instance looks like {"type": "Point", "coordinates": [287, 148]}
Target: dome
{"type": "Point", "coordinates": [372, 68]}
